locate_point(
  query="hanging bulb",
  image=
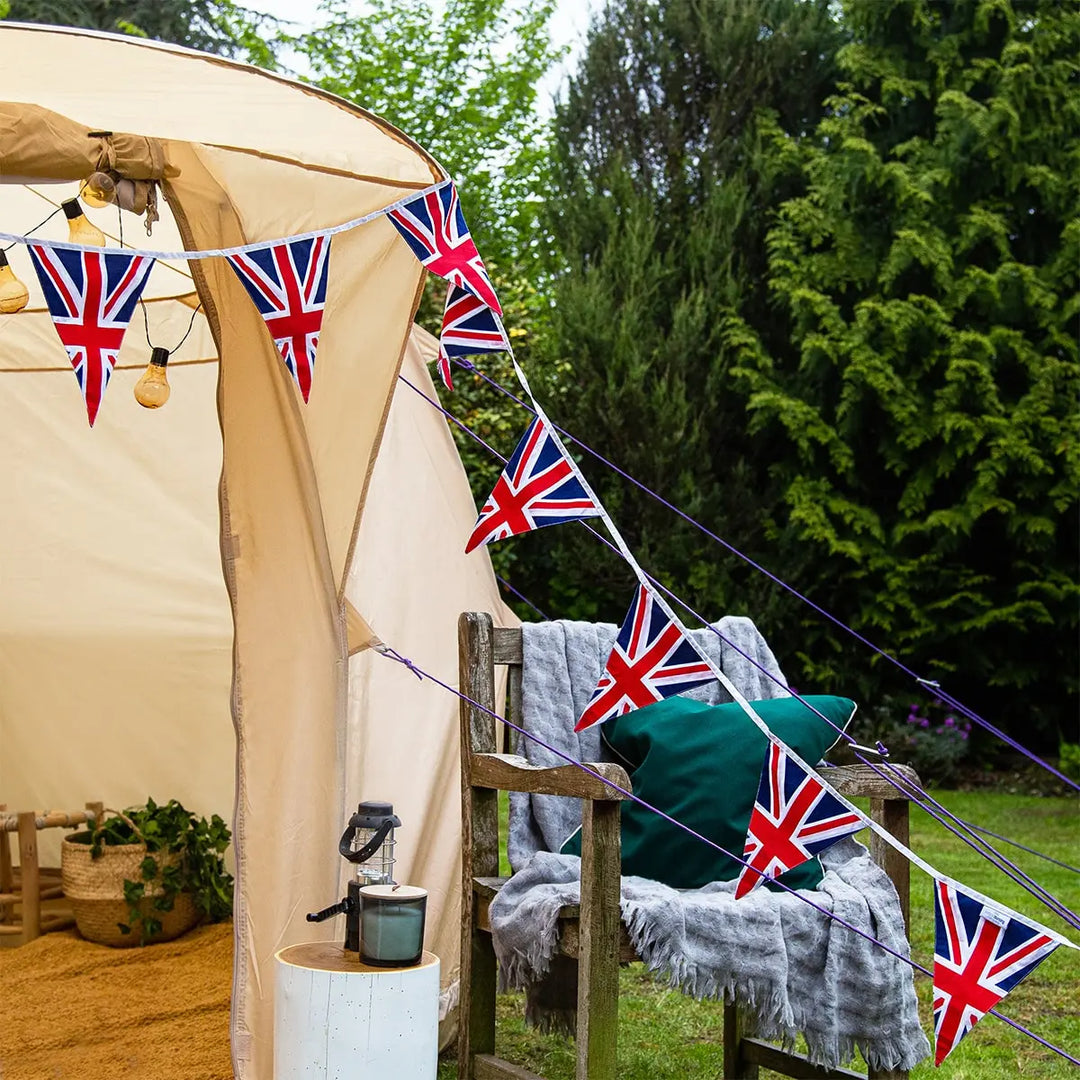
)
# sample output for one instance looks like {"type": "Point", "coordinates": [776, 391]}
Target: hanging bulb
{"type": "Point", "coordinates": [13, 293]}
{"type": "Point", "coordinates": [152, 389]}
{"type": "Point", "coordinates": [98, 190]}
{"type": "Point", "coordinates": [81, 231]}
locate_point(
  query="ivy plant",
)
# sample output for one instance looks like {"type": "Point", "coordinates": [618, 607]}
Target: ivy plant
{"type": "Point", "coordinates": [200, 871]}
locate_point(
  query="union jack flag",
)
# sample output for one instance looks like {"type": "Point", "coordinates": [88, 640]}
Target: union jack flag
{"type": "Point", "coordinates": [537, 488]}
{"type": "Point", "coordinates": [652, 659]}
{"type": "Point", "coordinates": [287, 281]}
{"type": "Point", "coordinates": [434, 227]}
{"type": "Point", "coordinates": [794, 817]}
{"type": "Point", "coordinates": [980, 954]}
{"type": "Point", "coordinates": [91, 297]}
{"type": "Point", "coordinates": [469, 326]}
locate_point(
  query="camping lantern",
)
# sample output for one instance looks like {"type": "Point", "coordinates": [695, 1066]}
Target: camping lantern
{"type": "Point", "coordinates": [368, 843]}
{"type": "Point", "coordinates": [371, 843]}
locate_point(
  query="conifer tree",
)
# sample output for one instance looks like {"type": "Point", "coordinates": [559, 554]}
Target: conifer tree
{"type": "Point", "coordinates": [661, 199]}
{"type": "Point", "coordinates": [924, 420]}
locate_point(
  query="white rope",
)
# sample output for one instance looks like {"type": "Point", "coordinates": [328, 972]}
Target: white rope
{"type": "Point", "coordinates": [213, 253]}
{"type": "Point", "coordinates": [733, 690]}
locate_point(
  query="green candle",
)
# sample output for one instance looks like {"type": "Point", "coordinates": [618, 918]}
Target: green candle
{"type": "Point", "coordinates": [392, 924]}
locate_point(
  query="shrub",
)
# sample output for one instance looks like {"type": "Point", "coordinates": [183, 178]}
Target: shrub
{"type": "Point", "coordinates": [1069, 763]}
{"type": "Point", "coordinates": [930, 738]}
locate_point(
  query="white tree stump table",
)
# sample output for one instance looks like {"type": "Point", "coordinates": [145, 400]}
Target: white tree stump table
{"type": "Point", "coordinates": [337, 1018]}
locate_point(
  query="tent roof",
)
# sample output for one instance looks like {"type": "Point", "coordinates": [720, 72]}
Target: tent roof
{"type": "Point", "coordinates": [119, 83]}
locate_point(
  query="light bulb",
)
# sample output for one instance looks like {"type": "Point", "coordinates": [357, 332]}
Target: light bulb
{"type": "Point", "coordinates": [152, 389]}
{"type": "Point", "coordinates": [81, 231]}
{"type": "Point", "coordinates": [13, 293]}
{"type": "Point", "coordinates": [98, 190]}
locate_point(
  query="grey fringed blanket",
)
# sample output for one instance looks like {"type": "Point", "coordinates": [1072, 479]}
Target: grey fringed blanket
{"type": "Point", "coordinates": [562, 665]}
{"type": "Point", "coordinates": [794, 968]}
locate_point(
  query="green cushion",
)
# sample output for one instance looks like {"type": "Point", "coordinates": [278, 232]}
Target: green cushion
{"type": "Point", "coordinates": [702, 764]}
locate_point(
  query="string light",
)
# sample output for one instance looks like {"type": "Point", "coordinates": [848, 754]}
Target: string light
{"type": "Point", "coordinates": [98, 190]}
{"type": "Point", "coordinates": [81, 231]}
{"type": "Point", "coordinates": [14, 295]}
{"type": "Point", "coordinates": [152, 389]}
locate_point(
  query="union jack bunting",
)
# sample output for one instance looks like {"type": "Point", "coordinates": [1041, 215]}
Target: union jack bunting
{"type": "Point", "coordinates": [469, 326]}
{"type": "Point", "coordinates": [980, 954]}
{"type": "Point", "coordinates": [794, 817]}
{"type": "Point", "coordinates": [651, 659]}
{"type": "Point", "coordinates": [537, 488]}
{"type": "Point", "coordinates": [287, 281]}
{"type": "Point", "coordinates": [91, 297]}
{"type": "Point", "coordinates": [434, 227]}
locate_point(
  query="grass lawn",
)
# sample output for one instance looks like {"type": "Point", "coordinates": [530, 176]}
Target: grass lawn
{"type": "Point", "coordinates": [664, 1035]}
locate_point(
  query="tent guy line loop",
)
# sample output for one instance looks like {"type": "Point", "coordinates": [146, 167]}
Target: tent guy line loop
{"type": "Point", "coordinates": [213, 253]}
{"type": "Point", "coordinates": [930, 684]}
{"type": "Point", "coordinates": [393, 654]}
{"type": "Point", "coordinates": [922, 798]}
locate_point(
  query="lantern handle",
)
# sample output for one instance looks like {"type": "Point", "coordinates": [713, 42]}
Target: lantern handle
{"type": "Point", "coordinates": [369, 849]}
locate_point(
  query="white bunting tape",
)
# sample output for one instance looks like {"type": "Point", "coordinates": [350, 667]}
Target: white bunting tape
{"type": "Point", "coordinates": [214, 253]}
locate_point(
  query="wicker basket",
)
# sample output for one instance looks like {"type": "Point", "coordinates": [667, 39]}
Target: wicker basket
{"type": "Point", "coordinates": [95, 888]}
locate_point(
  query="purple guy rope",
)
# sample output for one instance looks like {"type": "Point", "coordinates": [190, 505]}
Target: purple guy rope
{"type": "Point", "coordinates": [928, 803]}
{"type": "Point", "coordinates": [1030, 851]}
{"type": "Point", "coordinates": [881, 749]}
{"type": "Point", "coordinates": [951, 701]}
{"type": "Point", "coordinates": [521, 596]}
{"type": "Point", "coordinates": [393, 654]}
{"type": "Point", "coordinates": [920, 797]}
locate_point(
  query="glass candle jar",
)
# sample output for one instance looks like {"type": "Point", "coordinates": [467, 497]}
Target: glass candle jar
{"type": "Point", "coordinates": [392, 925]}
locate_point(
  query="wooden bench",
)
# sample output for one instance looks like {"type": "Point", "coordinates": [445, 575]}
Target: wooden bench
{"type": "Point", "coordinates": [29, 884]}
{"type": "Point", "coordinates": [592, 933]}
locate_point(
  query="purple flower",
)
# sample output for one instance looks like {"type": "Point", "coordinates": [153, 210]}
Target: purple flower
{"type": "Point", "coordinates": [963, 734]}
{"type": "Point", "coordinates": [950, 720]}
{"type": "Point", "coordinates": [924, 723]}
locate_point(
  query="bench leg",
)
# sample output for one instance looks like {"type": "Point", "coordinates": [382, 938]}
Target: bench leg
{"type": "Point", "coordinates": [736, 1067]}
{"type": "Point", "coordinates": [598, 959]}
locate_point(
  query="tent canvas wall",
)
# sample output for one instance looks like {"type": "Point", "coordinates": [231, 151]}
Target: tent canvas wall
{"type": "Point", "coordinates": [178, 588]}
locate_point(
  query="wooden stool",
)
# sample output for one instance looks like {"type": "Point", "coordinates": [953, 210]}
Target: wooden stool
{"type": "Point", "coordinates": [29, 885]}
{"type": "Point", "coordinates": [335, 1016]}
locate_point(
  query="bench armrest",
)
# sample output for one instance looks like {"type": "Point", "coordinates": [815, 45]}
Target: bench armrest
{"type": "Point", "coordinates": [854, 781]}
{"type": "Point", "coordinates": [509, 772]}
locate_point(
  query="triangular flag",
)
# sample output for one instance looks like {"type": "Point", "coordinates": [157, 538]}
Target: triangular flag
{"type": "Point", "coordinates": [287, 281]}
{"type": "Point", "coordinates": [434, 227]}
{"type": "Point", "coordinates": [469, 326]}
{"type": "Point", "coordinates": [652, 659]}
{"type": "Point", "coordinates": [794, 817]}
{"type": "Point", "coordinates": [91, 296]}
{"type": "Point", "coordinates": [980, 954]}
{"type": "Point", "coordinates": [538, 487]}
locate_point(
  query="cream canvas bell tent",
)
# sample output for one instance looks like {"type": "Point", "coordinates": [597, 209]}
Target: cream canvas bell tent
{"type": "Point", "coordinates": [186, 594]}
